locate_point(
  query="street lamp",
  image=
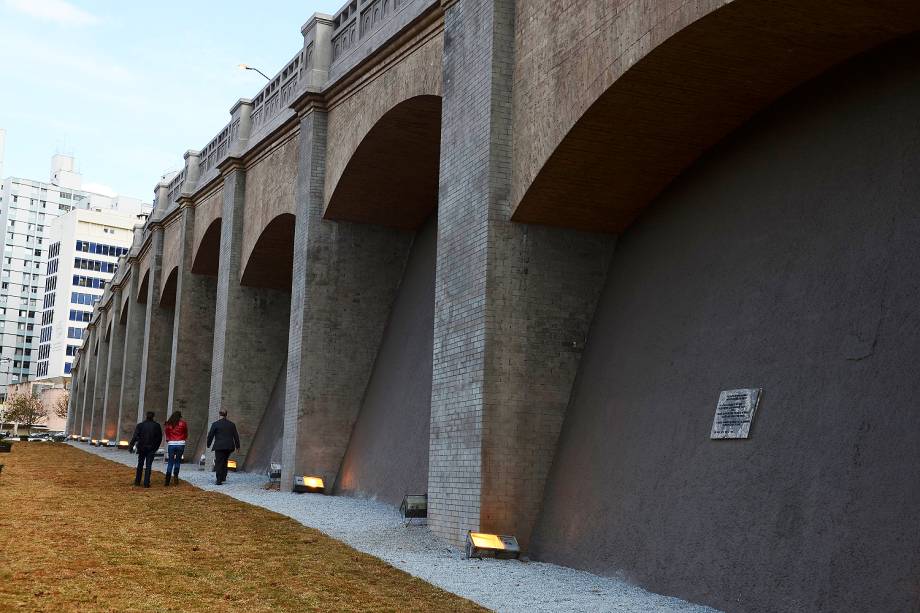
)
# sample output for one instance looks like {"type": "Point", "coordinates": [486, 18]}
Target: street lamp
{"type": "Point", "coordinates": [247, 67]}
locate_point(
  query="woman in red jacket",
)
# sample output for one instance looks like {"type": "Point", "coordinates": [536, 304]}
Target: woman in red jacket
{"type": "Point", "coordinates": [176, 433]}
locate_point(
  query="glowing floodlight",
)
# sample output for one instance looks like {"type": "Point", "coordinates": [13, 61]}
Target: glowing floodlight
{"type": "Point", "coordinates": [94, 442]}
{"type": "Point", "coordinates": [311, 485]}
{"type": "Point", "coordinates": [84, 439]}
{"type": "Point", "coordinates": [482, 545]}
{"type": "Point", "coordinates": [414, 506]}
{"type": "Point", "coordinates": [123, 444]}
{"type": "Point", "coordinates": [231, 465]}
{"type": "Point", "coordinates": [75, 437]}
{"type": "Point", "coordinates": [104, 442]}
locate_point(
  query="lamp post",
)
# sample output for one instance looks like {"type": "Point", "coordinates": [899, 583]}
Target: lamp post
{"type": "Point", "coordinates": [247, 67]}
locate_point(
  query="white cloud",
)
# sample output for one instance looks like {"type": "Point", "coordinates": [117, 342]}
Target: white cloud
{"type": "Point", "coordinates": [59, 11]}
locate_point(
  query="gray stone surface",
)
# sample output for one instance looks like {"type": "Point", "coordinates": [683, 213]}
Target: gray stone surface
{"type": "Point", "coordinates": [815, 511]}
{"type": "Point", "coordinates": [387, 455]}
{"type": "Point", "coordinates": [155, 363]}
{"type": "Point", "coordinates": [192, 337]}
{"type": "Point", "coordinates": [114, 365]}
{"type": "Point", "coordinates": [135, 324]}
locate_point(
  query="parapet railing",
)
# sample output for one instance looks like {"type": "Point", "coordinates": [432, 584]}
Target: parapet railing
{"type": "Point", "coordinates": [357, 19]}
{"type": "Point", "coordinates": [278, 94]}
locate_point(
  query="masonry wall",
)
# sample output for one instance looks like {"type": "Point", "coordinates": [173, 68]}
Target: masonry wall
{"type": "Point", "coordinates": [786, 259]}
{"type": "Point", "coordinates": [387, 455]}
{"type": "Point", "coordinates": [266, 444]}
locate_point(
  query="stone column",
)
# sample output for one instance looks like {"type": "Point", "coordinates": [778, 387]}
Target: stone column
{"type": "Point", "coordinates": [192, 337]}
{"type": "Point", "coordinates": [249, 332]}
{"type": "Point", "coordinates": [102, 360]}
{"type": "Point", "coordinates": [507, 340]}
{"type": "Point", "coordinates": [154, 384]}
{"type": "Point", "coordinates": [72, 403]}
{"type": "Point", "coordinates": [114, 368]}
{"type": "Point", "coordinates": [344, 281]}
{"type": "Point", "coordinates": [129, 403]}
{"type": "Point", "coordinates": [89, 353]}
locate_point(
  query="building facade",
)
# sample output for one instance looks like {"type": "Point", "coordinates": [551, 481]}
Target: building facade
{"type": "Point", "coordinates": [83, 251]}
{"type": "Point", "coordinates": [27, 209]}
{"type": "Point", "coordinates": [514, 254]}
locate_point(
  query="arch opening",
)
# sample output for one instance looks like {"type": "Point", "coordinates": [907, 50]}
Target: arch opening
{"type": "Point", "coordinates": [690, 92]}
{"type": "Point", "coordinates": [271, 263]}
{"type": "Point", "coordinates": [392, 177]}
{"type": "Point", "coordinates": [207, 254]}
{"type": "Point", "coordinates": [143, 289]}
{"type": "Point", "coordinates": [168, 293]}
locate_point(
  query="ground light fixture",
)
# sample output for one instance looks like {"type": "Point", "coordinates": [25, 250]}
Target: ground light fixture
{"type": "Point", "coordinates": [414, 506]}
{"type": "Point", "coordinates": [94, 442]}
{"type": "Point", "coordinates": [274, 472]}
{"type": "Point", "coordinates": [482, 545]}
{"type": "Point", "coordinates": [201, 462]}
{"type": "Point", "coordinates": [84, 439]}
{"type": "Point", "coordinates": [231, 465]}
{"type": "Point", "coordinates": [308, 484]}
{"type": "Point", "coordinates": [123, 444]}
{"type": "Point", "coordinates": [104, 442]}
{"type": "Point", "coordinates": [75, 437]}
{"type": "Point", "coordinates": [159, 453]}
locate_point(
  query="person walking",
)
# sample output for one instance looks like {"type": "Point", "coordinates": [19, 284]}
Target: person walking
{"type": "Point", "coordinates": [146, 440]}
{"type": "Point", "coordinates": [176, 433]}
{"type": "Point", "coordinates": [225, 438]}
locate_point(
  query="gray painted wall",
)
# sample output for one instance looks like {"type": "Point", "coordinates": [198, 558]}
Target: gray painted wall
{"type": "Point", "coordinates": [788, 259]}
{"type": "Point", "coordinates": [266, 444]}
{"type": "Point", "coordinates": [387, 454]}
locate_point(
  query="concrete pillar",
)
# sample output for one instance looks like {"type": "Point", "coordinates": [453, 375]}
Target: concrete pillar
{"type": "Point", "coordinates": [114, 368]}
{"type": "Point", "coordinates": [102, 360]}
{"type": "Point", "coordinates": [129, 403]}
{"type": "Point", "coordinates": [158, 331]}
{"type": "Point", "coordinates": [344, 281]}
{"type": "Point", "coordinates": [506, 340]}
{"type": "Point", "coordinates": [192, 337]}
{"type": "Point", "coordinates": [89, 353]}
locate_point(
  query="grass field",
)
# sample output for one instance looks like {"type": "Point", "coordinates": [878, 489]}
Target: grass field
{"type": "Point", "coordinates": [75, 535]}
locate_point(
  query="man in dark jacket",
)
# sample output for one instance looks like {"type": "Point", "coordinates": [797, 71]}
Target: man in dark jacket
{"type": "Point", "coordinates": [146, 440]}
{"type": "Point", "coordinates": [225, 438]}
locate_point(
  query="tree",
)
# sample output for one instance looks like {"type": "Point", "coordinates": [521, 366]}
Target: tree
{"type": "Point", "coordinates": [60, 407]}
{"type": "Point", "coordinates": [26, 409]}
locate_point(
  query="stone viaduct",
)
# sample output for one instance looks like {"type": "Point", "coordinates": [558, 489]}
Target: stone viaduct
{"type": "Point", "coordinates": [508, 253]}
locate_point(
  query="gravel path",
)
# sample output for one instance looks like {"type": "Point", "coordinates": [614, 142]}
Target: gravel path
{"type": "Point", "coordinates": [377, 529]}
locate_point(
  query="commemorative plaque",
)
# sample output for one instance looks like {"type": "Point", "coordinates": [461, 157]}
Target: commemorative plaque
{"type": "Point", "coordinates": [734, 413]}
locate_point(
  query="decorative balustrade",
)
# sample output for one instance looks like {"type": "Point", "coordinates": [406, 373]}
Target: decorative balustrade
{"type": "Point", "coordinates": [278, 94]}
{"type": "Point", "coordinates": [216, 150]}
{"type": "Point", "coordinates": [175, 186]}
{"type": "Point", "coordinates": [357, 19]}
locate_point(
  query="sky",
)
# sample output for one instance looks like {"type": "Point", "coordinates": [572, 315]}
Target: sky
{"type": "Point", "coordinates": [127, 87]}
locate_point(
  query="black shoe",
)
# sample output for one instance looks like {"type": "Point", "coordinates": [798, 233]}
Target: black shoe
{"type": "Point", "coordinates": [166, 483]}
{"type": "Point", "coordinates": [219, 483]}
{"type": "Point", "coordinates": [146, 485]}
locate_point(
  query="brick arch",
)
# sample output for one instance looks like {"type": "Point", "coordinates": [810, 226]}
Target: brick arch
{"type": "Point", "coordinates": [352, 115]}
{"type": "Point", "coordinates": [123, 305]}
{"type": "Point", "coordinates": [271, 261]}
{"type": "Point", "coordinates": [168, 288]}
{"type": "Point", "coordinates": [693, 78]}
{"type": "Point", "coordinates": [208, 210]}
{"type": "Point", "coordinates": [142, 287]}
{"type": "Point", "coordinates": [206, 258]}
{"type": "Point", "coordinates": [392, 177]}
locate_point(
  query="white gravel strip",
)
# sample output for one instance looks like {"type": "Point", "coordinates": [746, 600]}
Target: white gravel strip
{"type": "Point", "coordinates": [378, 529]}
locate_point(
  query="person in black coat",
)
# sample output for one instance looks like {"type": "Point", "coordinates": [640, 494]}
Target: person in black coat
{"type": "Point", "coordinates": [146, 440]}
{"type": "Point", "coordinates": [225, 438]}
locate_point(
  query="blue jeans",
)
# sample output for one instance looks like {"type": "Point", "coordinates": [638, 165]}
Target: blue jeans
{"type": "Point", "coordinates": [174, 459]}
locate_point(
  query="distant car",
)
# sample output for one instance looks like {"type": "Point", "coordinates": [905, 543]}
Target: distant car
{"type": "Point", "coordinates": [58, 437]}
{"type": "Point", "coordinates": [38, 438]}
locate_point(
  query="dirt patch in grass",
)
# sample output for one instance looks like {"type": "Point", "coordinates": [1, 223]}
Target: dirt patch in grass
{"type": "Point", "coordinates": [75, 535]}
